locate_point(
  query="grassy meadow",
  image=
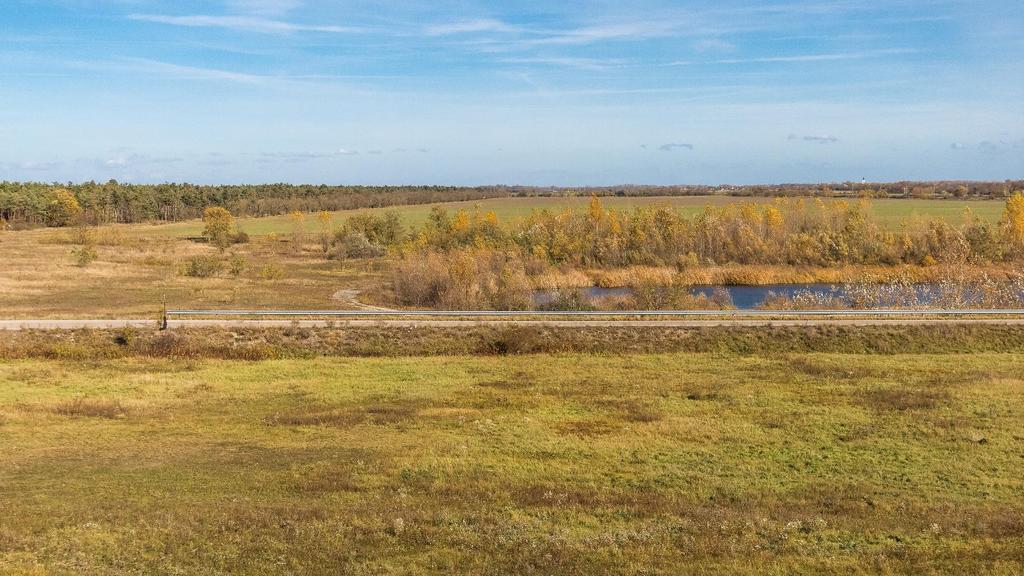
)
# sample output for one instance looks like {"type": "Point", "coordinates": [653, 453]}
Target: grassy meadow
{"type": "Point", "coordinates": [676, 463]}
{"type": "Point", "coordinates": [139, 267]}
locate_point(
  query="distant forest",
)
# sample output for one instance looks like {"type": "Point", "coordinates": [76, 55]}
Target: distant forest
{"type": "Point", "coordinates": [33, 204]}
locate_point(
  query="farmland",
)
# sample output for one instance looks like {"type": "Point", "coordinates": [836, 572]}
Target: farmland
{"type": "Point", "coordinates": [570, 464]}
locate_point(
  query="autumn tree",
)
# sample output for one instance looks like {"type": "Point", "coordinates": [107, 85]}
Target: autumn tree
{"type": "Point", "coordinates": [63, 210]}
{"type": "Point", "coordinates": [1013, 224]}
{"type": "Point", "coordinates": [220, 226]}
{"type": "Point", "coordinates": [298, 223]}
{"type": "Point", "coordinates": [323, 219]}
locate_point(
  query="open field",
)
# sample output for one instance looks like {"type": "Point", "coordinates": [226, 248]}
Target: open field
{"type": "Point", "coordinates": [138, 267]}
{"type": "Point", "coordinates": [135, 272]}
{"type": "Point", "coordinates": [568, 464]}
{"type": "Point", "coordinates": [890, 212]}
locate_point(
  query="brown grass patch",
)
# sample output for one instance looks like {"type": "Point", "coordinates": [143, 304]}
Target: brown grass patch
{"type": "Point", "coordinates": [587, 428]}
{"type": "Point", "coordinates": [632, 410]}
{"type": "Point", "coordinates": [91, 408]}
{"type": "Point", "coordinates": [336, 475]}
{"type": "Point", "coordinates": [701, 392]}
{"type": "Point", "coordinates": [377, 414]}
{"type": "Point", "coordinates": [641, 502]}
{"type": "Point", "coordinates": [822, 369]}
{"type": "Point", "coordinates": [903, 399]}
{"type": "Point", "coordinates": [517, 381]}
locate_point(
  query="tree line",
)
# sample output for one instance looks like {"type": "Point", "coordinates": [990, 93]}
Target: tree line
{"type": "Point", "coordinates": [36, 203]}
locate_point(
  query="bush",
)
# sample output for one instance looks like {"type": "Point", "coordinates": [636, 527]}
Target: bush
{"type": "Point", "coordinates": [203, 267]}
{"type": "Point", "coordinates": [464, 280]}
{"type": "Point", "coordinates": [353, 244]}
{"type": "Point", "coordinates": [569, 300]}
{"type": "Point", "coordinates": [237, 264]}
{"type": "Point", "coordinates": [85, 255]}
{"type": "Point", "coordinates": [271, 272]}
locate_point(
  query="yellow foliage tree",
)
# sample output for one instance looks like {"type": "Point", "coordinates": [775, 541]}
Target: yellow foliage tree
{"type": "Point", "coordinates": [1013, 222]}
{"type": "Point", "coordinates": [63, 210]}
{"type": "Point", "coordinates": [220, 226]}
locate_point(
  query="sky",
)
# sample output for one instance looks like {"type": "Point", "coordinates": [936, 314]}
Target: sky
{"type": "Point", "coordinates": [530, 92]}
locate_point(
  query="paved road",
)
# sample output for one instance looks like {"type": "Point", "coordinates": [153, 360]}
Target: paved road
{"type": "Point", "coordinates": [101, 324]}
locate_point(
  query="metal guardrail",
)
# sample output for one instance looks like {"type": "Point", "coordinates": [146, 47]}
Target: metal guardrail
{"type": "Point", "coordinates": [597, 313]}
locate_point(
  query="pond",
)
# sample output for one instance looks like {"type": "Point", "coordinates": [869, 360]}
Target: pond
{"type": "Point", "coordinates": [744, 297]}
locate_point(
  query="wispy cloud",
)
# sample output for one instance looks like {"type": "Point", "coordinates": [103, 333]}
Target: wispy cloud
{"type": "Point", "coordinates": [624, 31]}
{"type": "Point", "coordinates": [713, 45]}
{"type": "Point", "coordinates": [595, 64]}
{"type": "Point", "coordinates": [133, 160]}
{"type": "Point", "coordinates": [469, 27]}
{"type": "Point", "coordinates": [818, 139]}
{"type": "Point", "coordinates": [158, 68]}
{"type": "Point", "coordinates": [292, 157]}
{"type": "Point", "coordinates": [818, 57]}
{"type": "Point", "coordinates": [31, 166]}
{"type": "Point", "coordinates": [264, 7]}
{"type": "Point", "coordinates": [990, 146]}
{"type": "Point", "coordinates": [243, 23]}
{"type": "Point", "coordinates": [675, 146]}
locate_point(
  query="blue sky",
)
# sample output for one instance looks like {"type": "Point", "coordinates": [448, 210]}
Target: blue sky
{"type": "Point", "coordinates": [530, 92]}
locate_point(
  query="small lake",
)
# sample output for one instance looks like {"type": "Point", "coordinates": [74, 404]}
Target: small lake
{"type": "Point", "coordinates": [743, 297]}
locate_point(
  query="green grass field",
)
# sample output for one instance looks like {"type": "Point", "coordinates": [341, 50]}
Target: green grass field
{"type": "Point", "coordinates": [890, 212]}
{"type": "Point", "coordinates": [546, 464]}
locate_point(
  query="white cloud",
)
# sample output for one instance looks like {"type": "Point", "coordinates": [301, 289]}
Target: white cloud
{"type": "Point", "coordinates": [817, 57]}
{"type": "Point", "coordinates": [675, 146]}
{"type": "Point", "coordinates": [990, 146]}
{"type": "Point", "coordinates": [627, 31]}
{"type": "Point", "coordinates": [264, 7]}
{"type": "Point", "coordinates": [817, 139]}
{"type": "Point", "coordinates": [142, 65]}
{"type": "Point", "coordinates": [243, 23]}
{"type": "Point", "coordinates": [305, 156]}
{"type": "Point", "coordinates": [133, 160]}
{"type": "Point", "coordinates": [469, 27]}
{"type": "Point", "coordinates": [578, 63]}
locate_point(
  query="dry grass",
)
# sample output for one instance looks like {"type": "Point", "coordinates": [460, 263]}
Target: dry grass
{"type": "Point", "coordinates": [39, 277]}
{"type": "Point", "coordinates": [903, 399]}
{"type": "Point", "coordinates": [91, 408]}
{"type": "Point", "coordinates": [264, 344]}
{"type": "Point", "coordinates": [562, 464]}
{"type": "Point", "coordinates": [379, 414]}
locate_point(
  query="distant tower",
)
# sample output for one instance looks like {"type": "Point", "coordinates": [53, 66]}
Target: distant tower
{"type": "Point", "coordinates": [863, 180]}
